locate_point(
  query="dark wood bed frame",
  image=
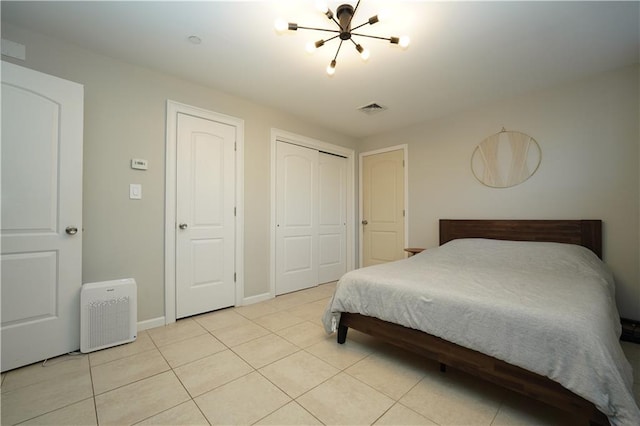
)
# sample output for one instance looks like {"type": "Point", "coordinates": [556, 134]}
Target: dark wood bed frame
{"type": "Point", "coordinates": [587, 233]}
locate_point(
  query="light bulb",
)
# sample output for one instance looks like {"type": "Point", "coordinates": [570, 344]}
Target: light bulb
{"type": "Point", "coordinates": [404, 42]}
{"type": "Point", "coordinates": [384, 15]}
{"type": "Point", "coordinates": [322, 6]}
{"type": "Point", "coordinates": [364, 53]}
{"type": "Point", "coordinates": [281, 25]}
{"type": "Point", "coordinates": [310, 47]}
{"type": "Point", "coordinates": [331, 68]}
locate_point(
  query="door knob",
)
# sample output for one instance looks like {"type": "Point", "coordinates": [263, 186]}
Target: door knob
{"type": "Point", "coordinates": [71, 230]}
{"type": "Point", "coordinates": [365, 222]}
{"type": "Point", "coordinates": [182, 226]}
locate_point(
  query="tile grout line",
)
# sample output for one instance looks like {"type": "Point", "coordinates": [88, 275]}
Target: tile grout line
{"type": "Point", "coordinates": [93, 391]}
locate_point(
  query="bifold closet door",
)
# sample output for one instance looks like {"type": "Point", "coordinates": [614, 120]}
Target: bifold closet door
{"type": "Point", "coordinates": [296, 218]}
{"type": "Point", "coordinates": [332, 217]}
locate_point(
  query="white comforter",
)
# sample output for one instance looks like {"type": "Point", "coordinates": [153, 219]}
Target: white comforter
{"type": "Point", "coordinates": [546, 307]}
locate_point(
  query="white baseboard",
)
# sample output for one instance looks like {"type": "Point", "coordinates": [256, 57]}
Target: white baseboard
{"type": "Point", "coordinates": [256, 299]}
{"type": "Point", "coordinates": [151, 323]}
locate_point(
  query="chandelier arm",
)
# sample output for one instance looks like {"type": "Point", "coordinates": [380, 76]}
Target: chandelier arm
{"type": "Point", "coordinates": [359, 26]}
{"type": "Point", "coordinates": [338, 51]}
{"type": "Point", "coordinates": [331, 38]}
{"type": "Point", "coordinates": [317, 29]}
{"type": "Point", "coordinates": [372, 36]}
{"type": "Point", "coordinates": [355, 9]}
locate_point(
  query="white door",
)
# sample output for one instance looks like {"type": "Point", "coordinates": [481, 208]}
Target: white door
{"type": "Point", "coordinates": [41, 215]}
{"type": "Point", "coordinates": [383, 207]}
{"type": "Point", "coordinates": [205, 215]}
{"type": "Point", "coordinates": [297, 218]}
{"type": "Point", "coordinates": [332, 217]}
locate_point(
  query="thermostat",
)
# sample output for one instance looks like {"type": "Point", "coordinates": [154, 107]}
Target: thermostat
{"type": "Point", "coordinates": [139, 164]}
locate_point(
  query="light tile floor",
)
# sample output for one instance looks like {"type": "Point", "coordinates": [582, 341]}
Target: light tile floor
{"type": "Point", "coordinates": [269, 364]}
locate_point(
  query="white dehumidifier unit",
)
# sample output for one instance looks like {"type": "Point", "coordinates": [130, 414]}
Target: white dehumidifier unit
{"type": "Point", "coordinates": [108, 314]}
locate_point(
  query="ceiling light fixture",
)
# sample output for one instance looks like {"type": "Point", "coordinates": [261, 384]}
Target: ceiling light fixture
{"type": "Point", "coordinates": [345, 14]}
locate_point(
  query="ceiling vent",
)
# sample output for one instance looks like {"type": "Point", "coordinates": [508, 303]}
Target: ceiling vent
{"type": "Point", "coordinates": [372, 108]}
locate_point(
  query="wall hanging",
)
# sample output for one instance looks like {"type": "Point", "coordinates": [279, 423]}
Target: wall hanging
{"type": "Point", "coordinates": [506, 159]}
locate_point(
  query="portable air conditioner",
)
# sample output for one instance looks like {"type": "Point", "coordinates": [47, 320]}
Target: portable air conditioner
{"type": "Point", "coordinates": [108, 314]}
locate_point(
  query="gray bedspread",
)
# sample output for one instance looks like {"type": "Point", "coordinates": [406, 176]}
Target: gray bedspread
{"type": "Point", "coordinates": [546, 307]}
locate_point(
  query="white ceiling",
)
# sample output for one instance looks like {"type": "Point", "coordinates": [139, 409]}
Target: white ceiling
{"type": "Point", "coordinates": [462, 54]}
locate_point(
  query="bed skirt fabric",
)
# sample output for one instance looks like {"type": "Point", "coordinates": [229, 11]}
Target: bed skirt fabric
{"type": "Point", "coordinates": [546, 307]}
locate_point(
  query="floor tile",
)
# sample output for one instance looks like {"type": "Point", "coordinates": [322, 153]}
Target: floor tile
{"type": "Point", "coordinates": [345, 400]}
{"type": "Point", "coordinates": [221, 319]}
{"type": "Point", "coordinates": [265, 350]}
{"type": "Point", "coordinates": [210, 372]}
{"type": "Point", "coordinates": [142, 343]}
{"type": "Point", "coordinates": [519, 410]}
{"type": "Point", "coordinates": [323, 291]}
{"type": "Point", "coordinates": [311, 312]}
{"type": "Point", "coordinates": [123, 371]}
{"type": "Point", "coordinates": [401, 415]}
{"type": "Point", "coordinates": [356, 383]}
{"type": "Point", "coordinates": [140, 400]}
{"type": "Point", "coordinates": [80, 413]}
{"type": "Point", "coordinates": [191, 349]}
{"type": "Point", "coordinates": [340, 356]}
{"type": "Point", "coordinates": [255, 310]}
{"type": "Point", "coordinates": [34, 400]}
{"type": "Point", "coordinates": [186, 413]}
{"type": "Point", "coordinates": [52, 369]}
{"type": "Point", "coordinates": [298, 373]}
{"type": "Point", "coordinates": [278, 321]}
{"type": "Point", "coordinates": [304, 334]}
{"type": "Point", "coordinates": [237, 335]}
{"type": "Point", "coordinates": [229, 405]}
{"type": "Point", "coordinates": [290, 300]}
{"type": "Point", "coordinates": [454, 398]}
{"type": "Point", "coordinates": [179, 330]}
{"type": "Point", "coordinates": [389, 375]}
{"type": "Point", "coordinates": [290, 415]}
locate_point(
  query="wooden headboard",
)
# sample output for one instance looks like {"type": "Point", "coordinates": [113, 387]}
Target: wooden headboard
{"type": "Point", "coordinates": [587, 233]}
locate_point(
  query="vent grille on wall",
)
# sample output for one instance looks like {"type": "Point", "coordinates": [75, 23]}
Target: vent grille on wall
{"type": "Point", "coordinates": [372, 108]}
{"type": "Point", "coordinates": [108, 314]}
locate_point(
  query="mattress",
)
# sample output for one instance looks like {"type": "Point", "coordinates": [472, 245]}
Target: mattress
{"type": "Point", "coordinates": [546, 307]}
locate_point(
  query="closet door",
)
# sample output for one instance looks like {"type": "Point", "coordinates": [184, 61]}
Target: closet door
{"type": "Point", "coordinates": [332, 217]}
{"type": "Point", "coordinates": [297, 218]}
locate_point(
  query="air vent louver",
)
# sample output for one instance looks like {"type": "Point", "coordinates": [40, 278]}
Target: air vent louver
{"type": "Point", "coordinates": [372, 108]}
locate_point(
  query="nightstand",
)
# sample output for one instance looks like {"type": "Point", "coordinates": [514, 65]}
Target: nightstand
{"type": "Point", "coordinates": [414, 250]}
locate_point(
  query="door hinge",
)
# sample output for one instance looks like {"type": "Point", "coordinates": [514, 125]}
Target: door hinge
{"type": "Point", "coordinates": [402, 163]}
{"type": "Point", "coordinates": [234, 277]}
{"type": "Point", "coordinates": [235, 146]}
{"type": "Point", "coordinates": [403, 213]}
{"type": "Point", "coordinates": [234, 211]}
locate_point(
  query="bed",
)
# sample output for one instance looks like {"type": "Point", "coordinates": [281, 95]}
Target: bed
{"type": "Point", "coordinates": [595, 384]}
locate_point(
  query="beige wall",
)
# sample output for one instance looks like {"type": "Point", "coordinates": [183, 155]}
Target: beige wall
{"type": "Point", "coordinates": [589, 135]}
{"type": "Point", "coordinates": [588, 132]}
{"type": "Point", "coordinates": [125, 108]}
